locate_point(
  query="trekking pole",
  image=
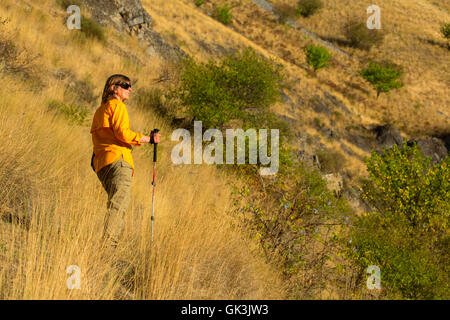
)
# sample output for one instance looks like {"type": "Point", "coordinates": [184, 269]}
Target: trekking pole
{"type": "Point", "coordinates": [155, 149]}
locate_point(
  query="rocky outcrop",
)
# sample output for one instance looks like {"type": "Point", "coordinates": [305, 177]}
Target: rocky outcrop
{"type": "Point", "coordinates": [431, 147]}
{"type": "Point", "coordinates": [130, 16]}
{"type": "Point", "coordinates": [386, 136]}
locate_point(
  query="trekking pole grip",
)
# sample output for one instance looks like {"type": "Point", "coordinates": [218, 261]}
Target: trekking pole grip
{"type": "Point", "coordinates": [155, 145]}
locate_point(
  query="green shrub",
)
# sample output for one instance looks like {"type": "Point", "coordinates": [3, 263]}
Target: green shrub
{"type": "Point", "coordinates": [359, 36]}
{"type": "Point", "coordinates": [445, 30]}
{"type": "Point", "coordinates": [92, 29]}
{"type": "Point", "coordinates": [407, 235]}
{"type": "Point", "coordinates": [317, 56]}
{"type": "Point", "coordinates": [89, 30]}
{"type": "Point", "coordinates": [198, 3]}
{"type": "Point", "coordinates": [307, 8]}
{"type": "Point", "coordinates": [241, 86]}
{"type": "Point", "coordinates": [383, 76]}
{"type": "Point", "coordinates": [293, 216]}
{"type": "Point", "coordinates": [223, 14]}
{"type": "Point", "coordinates": [402, 182]}
{"type": "Point", "coordinates": [74, 113]}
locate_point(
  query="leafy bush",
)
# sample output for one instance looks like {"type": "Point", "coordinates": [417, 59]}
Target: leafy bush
{"type": "Point", "coordinates": [445, 30]}
{"type": "Point", "coordinates": [74, 113]}
{"type": "Point", "coordinates": [317, 56]}
{"type": "Point", "coordinates": [383, 76]}
{"type": "Point", "coordinates": [295, 218]}
{"type": "Point", "coordinates": [359, 36]}
{"type": "Point", "coordinates": [407, 235]}
{"type": "Point", "coordinates": [92, 29]}
{"type": "Point", "coordinates": [241, 86]}
{"type": "Point", "coordinates": [198, 3]}
{"type": "Point", "coordinates": [402, 182]}
{"type": "Point", "coordinates": [223, 14]}
{"type": "Point", "coordinates": [307, 8]}
{"type": "Point", "coordinates": [89, 30]}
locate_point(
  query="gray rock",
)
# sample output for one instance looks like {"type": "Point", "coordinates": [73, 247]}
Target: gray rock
{"type": "Point", "coordinates": [386, 136]}
{"type": "Point", "coordinates": [431, 147]}
{"type": "Point", "coordinates": [130, 16]}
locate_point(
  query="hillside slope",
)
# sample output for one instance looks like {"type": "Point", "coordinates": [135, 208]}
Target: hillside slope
{"type": "Point", "coordinates": [52, 205]}
{"type": "Point", "coordinates": [336, 111]}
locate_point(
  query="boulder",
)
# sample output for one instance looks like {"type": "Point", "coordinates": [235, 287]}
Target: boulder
{"type": "Point", "coordinates": [431, 147]}
{"type": "Point", "coordinates": [387, 136]}
{"type": "Point", "coordinates": [130, 16]}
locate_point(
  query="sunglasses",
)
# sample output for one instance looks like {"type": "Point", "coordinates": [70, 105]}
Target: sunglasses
{"type": "Point", "coordinates": [126, 86]}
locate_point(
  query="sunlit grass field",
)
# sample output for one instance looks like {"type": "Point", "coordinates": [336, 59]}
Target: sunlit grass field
{"type": "Point", "coordinates": [52, 205]}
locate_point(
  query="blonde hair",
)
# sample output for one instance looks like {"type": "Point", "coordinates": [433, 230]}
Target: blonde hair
{"type": "Point", "coordinates": [114, 80]}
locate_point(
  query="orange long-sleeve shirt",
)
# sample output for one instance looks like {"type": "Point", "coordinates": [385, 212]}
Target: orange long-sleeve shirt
{"type": "Point", "coordinates": [112, 136]}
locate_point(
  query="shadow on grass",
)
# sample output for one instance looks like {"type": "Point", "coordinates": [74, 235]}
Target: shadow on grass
{"type": "Point", "coordinates": [443, 45]}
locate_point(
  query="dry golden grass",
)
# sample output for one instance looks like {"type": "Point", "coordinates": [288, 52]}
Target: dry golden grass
{"type": "Point", "coordinates": [199, 251]}
{"type": "Point", "coordinates": [53, 205]}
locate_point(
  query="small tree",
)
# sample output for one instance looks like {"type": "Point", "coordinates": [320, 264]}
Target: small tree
{"type": "Point", "coordinates": [383, 77]}
{"type": "Point", "coordinates": [217, 92]}
{"type": "Point", "coordinates": [223, 14]}
{"type": "Point", "coordinates": [317, 57]}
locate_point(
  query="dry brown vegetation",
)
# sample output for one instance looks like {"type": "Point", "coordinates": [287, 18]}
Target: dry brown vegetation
{"type": "Point", "coordinates": [56, 204]}
{"type": "Point", "coordinates": [52, 205]}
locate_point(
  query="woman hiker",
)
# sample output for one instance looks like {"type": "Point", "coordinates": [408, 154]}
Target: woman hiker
{"type": "Point", "coordinates": [112, 160]}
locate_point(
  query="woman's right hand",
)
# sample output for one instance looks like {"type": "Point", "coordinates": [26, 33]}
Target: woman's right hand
{"type": "Point", "coordinates": [147, 139]}
{"type": "Point", "coordinates": [156, 138]}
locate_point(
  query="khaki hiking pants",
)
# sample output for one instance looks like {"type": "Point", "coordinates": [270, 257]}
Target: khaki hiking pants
{"type": "Point", "coordinates": [116, 180]}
